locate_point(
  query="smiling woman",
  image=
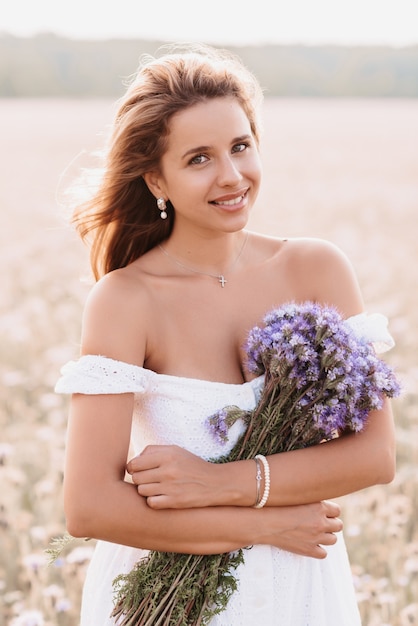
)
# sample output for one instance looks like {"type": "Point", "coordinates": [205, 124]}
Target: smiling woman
{"type": "Point", "coordinates": [212, 185]}
{"type": "Point", "coordinates": [162, 350]}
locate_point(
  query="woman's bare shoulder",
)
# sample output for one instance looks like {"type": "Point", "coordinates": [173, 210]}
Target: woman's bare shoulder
{"type": "Point", "coordinates": [329, 273]}
{"type": "Point", "coordinates": [300, 249]}
{"type": "Point", "coordinates": [118, 290]}
{"type": "Point", "coordinates": [318, 270]}
{"type": "Point", "coordinates": [116, 308]}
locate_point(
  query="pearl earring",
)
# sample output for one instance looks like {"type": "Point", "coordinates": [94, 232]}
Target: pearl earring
{"type": "Point", "coordinates": [162, 207]}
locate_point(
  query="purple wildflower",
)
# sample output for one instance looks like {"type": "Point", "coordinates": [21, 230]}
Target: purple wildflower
{"type": "Point", "coordinates": [320, 380]}
{"type": "Point", "coordinates": [220, 422]}
{"type": "Point", "coordinates": [218, 425]}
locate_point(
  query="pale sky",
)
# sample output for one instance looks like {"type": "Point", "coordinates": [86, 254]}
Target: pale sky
{"type": "Point", "coordinates": [393, 22]}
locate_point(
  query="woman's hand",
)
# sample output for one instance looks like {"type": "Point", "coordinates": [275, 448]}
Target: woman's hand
{"type": "Point", "coordinates": [170, 477]}
{"type": "Point", "coordinates": [305, 529]}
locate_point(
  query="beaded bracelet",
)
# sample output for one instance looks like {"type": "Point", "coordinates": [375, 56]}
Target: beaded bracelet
{"type": "Point", "coordinates": [258, 477]}
{"type": "Point", "coordinates": [259, 505]}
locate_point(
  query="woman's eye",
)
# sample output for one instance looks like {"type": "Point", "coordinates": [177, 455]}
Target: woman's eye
{"type": "Point", "coordinates": [198, 159]}
{"type": "Point", "coordinates": [240, 147]}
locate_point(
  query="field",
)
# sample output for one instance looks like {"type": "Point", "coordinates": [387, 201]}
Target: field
{"type": "Point", "coordinates": [344, 170]}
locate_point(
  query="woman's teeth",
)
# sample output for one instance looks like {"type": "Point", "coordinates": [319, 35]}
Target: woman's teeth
{"type": "Point", "coordinates": [229, 202]}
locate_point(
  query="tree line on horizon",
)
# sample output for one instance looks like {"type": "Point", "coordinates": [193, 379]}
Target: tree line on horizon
{"type": "Point", "coordinates": [47, 65]}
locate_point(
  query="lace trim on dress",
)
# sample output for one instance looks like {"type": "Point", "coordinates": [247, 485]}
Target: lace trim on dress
{"type": "Point", "coordinates": [94, 374]}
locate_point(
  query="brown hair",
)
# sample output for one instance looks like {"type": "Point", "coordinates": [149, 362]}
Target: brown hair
{"type": "Point", "coordinates": [121, 218]}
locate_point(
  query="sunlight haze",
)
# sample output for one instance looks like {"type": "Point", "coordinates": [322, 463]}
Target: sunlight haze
{"type": "Point", "coordinates": [240, 22]}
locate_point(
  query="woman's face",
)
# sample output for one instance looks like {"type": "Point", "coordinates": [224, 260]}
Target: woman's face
{"type": "Point", "coordinates": [211, 169]}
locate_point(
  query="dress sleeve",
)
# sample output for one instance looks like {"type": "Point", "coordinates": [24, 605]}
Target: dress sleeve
{"type": "Point", "coordinates": [94, 375]}
{"type": "Point", "coordinates": [374, 329]}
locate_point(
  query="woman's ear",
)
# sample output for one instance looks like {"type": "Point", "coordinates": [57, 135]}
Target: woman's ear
{"type": "Point", "coordinates": [153, 182]}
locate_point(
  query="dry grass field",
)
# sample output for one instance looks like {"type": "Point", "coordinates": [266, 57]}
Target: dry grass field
{"type": "Point", "coordinates": [344, 170]}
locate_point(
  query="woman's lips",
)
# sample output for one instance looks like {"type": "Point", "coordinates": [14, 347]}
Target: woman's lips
{"type": "Point", "coordinates": [230, 201]}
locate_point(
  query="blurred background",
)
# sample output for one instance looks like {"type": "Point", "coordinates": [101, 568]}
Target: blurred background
{"type": "Point", "coordinates": [340, 157]}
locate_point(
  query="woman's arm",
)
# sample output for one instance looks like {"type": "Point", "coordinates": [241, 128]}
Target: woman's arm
{"type": "Point", "coordinates": [100, 503]}
{"type": "Point", "coordinates": [172, 477]}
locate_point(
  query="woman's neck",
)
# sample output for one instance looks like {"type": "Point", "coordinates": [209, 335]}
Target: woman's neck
{"type": "Point", "coordinates": [212, 255]}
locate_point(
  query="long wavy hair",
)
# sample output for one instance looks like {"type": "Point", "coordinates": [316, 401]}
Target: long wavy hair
{"type": "Point", "coordinates": [121, 221]}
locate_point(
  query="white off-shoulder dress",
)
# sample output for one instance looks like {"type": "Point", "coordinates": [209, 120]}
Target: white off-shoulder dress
{"type": "Point", "coordinates": [275, 587]}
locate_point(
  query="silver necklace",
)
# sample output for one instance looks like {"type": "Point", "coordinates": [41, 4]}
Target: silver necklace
{"type": "Point", "coordinates": [219, 277]}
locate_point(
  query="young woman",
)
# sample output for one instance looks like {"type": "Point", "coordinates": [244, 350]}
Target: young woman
{"type": "Point", "coordinates": [180, 281]}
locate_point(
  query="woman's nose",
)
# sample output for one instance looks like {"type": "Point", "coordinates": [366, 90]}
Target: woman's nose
{"type": "Point", "coordinates": [228, 173]}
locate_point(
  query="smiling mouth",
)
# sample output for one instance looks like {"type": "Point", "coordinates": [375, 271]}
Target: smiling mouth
{"type": "Point", "coordinates": [232, 202]}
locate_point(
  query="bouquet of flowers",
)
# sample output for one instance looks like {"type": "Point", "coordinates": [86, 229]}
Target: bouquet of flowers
{"type": "Point", "coordinates": [320, 380]}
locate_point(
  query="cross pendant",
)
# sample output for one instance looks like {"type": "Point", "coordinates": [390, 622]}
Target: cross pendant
{"type": "Point", "coordinates": [222, 280]}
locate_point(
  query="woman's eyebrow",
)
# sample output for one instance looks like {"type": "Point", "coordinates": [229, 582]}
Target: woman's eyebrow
{"type": "Point", "coordinates": [194, 150]}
